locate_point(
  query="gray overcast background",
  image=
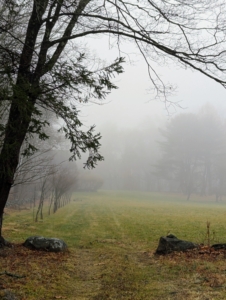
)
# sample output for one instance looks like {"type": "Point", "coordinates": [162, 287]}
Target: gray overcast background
{"type": "Point", "coordinates": [133, 101]}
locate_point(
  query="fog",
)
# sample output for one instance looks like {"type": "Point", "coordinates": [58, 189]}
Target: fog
{"type": "Point", "coordinates": [176, 146]}
{"type": "Point", "coordinates": [134, 100]}
{"type": "Point", "coordinates": [132, 121]}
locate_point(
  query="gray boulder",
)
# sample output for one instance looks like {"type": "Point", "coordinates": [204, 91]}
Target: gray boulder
{"type": "Point", "coordinates": [171, 243]}
{"type": "Point", "coordinates": [218, 246]}
{"type": "Point", "coordinates": [46, 244]}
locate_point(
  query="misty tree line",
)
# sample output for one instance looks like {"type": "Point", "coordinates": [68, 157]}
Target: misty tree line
{"type": "Point", "coordinates": [193, 156]}
{"type": "Point", "coordinates": [47, 184]}
{"type": "Point", "coordinates": [47, 178]}
{"type": "Point", "coordinates": [187, 155]}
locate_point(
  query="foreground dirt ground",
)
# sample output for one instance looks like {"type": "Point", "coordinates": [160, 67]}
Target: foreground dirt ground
{"type": "Point", "coordinates": [99, 274]}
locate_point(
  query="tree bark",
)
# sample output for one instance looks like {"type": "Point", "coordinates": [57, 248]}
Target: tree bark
{"type": "Point", "coordinates": [9, 157]}
{"type": "Point", "coordinates": [25, 93]}
{"type": "Point", "coordinates": [4, 192]}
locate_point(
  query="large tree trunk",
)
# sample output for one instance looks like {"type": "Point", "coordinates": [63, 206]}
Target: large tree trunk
{"type": "Point", "coordinates": [15, 133]}
{"type": "Point", "coordinates": [4, 192]}
{"type": "Point", "coordinates": [21, 109]}
{"type": "Point", "coordinates": [8, 165]}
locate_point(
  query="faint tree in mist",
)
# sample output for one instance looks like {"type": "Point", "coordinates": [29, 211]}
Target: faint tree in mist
{"type": "Point", "coordinates": [63, 182]}
{"type": "Point", "coordinates": [130, 154]}
{"type": "Point", "coordinates": [194, 151]}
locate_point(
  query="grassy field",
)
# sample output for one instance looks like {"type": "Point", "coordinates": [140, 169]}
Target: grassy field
{"type": "Point", "coordinates": [112, 237]}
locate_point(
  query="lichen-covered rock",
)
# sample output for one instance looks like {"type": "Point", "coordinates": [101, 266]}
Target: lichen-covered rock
{"type": "Point", "coordinates": [171, 243]}
{"type": "Point", "coordinates": [46, 244]}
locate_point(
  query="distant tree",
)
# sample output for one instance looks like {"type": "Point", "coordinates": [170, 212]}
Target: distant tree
{"type": "Point", "coordinates": [192, 148]}
{"type": "Point", "coordinates": [220, 176]}
{"type": "Point", "coordinates": [43, 193]}
{"type": "Point", "coordinates": [63, 182]}
{"type": "Point", "coordinates": [180, 151]}
{"type": "Point", "coordinates": [44, 65]}
{"type": "Point", "coordinates": [211, 146]}
{"type": "Point", "coordinates": [129, 156]}
{"type": "Point", "coordinates": [30, 171]}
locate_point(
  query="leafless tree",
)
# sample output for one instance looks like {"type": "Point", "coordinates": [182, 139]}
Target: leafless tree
{"type": "Point", "coordinates": [62, 184]}
{"type": "Point", "coordinates": [44, 190]}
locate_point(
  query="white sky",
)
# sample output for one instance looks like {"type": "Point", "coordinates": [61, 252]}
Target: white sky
{"type": "Point", "coordinates": [132, 102]}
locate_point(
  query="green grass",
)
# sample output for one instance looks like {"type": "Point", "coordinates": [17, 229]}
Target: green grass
{"type": "Point", "coordinates": [112, 237]}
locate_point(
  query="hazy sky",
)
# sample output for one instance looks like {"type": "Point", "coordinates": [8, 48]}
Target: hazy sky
{"type": "Point", "coordinates": [133, 101]}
